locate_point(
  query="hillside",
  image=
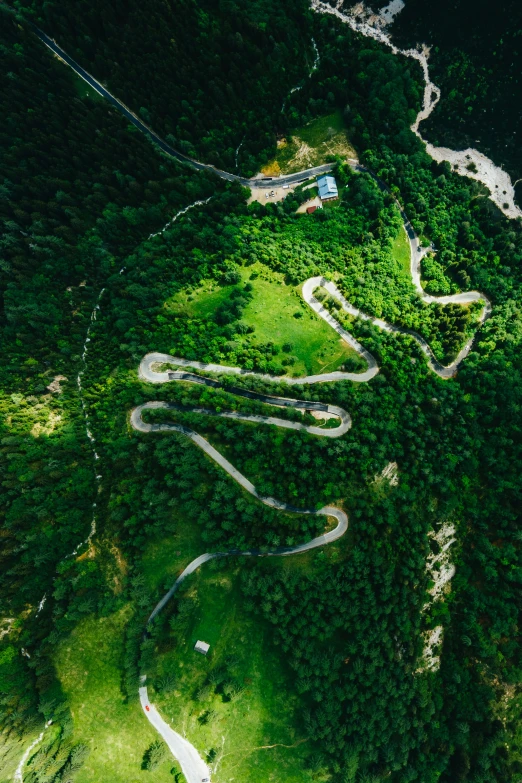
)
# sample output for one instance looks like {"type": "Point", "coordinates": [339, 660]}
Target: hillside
{"type": "Point", "coordinates": [293, 436]}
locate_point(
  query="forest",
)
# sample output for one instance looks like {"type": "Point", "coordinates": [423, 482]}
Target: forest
{"type": "Point", "coordinates": [217, 83]}
{"type": "Point", "coordinates": [82, 193]}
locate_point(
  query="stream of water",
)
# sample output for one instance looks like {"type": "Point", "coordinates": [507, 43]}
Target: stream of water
{"type": "Point", "coordinates": [19, 776]}
{"type": "Point", "coordinates": [176, 216]}
{"type": "Point", "coordinates": [469, 162]}
{"type": "Point", "coordinates": [315, 66]}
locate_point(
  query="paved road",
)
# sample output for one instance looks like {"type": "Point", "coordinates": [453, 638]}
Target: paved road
{"type": "Point", "coordinates": [193, 766]}
{"type": "Point", "coordinates": [191, 762]}
{"type": "Point", "coordinates": [187, 755]}
{"type": "Point", "coordinates": [331, 411]}
{"type": "Point", "coordinates": [147, 373]}
{"type": "Point", "coordinates": [417, 253]}
{"type": "Point", "coordinates": [263, 182]}
{"type": "Point", "coordinates": [443, 371]}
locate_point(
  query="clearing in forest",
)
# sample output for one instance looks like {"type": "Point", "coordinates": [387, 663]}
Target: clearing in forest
{"type": "Point", "coordinates": [89, 667]}
{"type": "Point", "coordinates": [401, 251]}
{"type": "Point", "coordinates": [243, 709]}
{"type": "Point", "coordinates": [311, 145]}
{"type": "Point", "coordinates": [278, 314]}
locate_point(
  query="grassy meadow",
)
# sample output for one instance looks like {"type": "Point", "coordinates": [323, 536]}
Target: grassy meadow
{"type": "Point", "coordinates": [401, 251]}
{"type": "Point", "coordinates": [238, 704]}
{"type": "Point", "coordinates": [279, 315]}
{"type": "Point", "coordinates": [89, 667]}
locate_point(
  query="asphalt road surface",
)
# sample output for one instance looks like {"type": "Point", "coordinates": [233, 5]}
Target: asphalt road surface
{"type": "Point", "coordinates": [192, 764]}
{"type": "Point", "coordinates": [262, 182]}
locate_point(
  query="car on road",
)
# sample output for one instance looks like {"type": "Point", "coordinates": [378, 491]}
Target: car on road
{"type": "Point", "coordinates": [147, 708]}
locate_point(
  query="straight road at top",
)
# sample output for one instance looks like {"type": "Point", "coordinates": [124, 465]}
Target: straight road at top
{"type": "Point", "coordinates": [260, 182]}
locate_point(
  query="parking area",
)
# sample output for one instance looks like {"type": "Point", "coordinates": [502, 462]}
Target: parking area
{"type": "Point", "coordinates": [274, 193]}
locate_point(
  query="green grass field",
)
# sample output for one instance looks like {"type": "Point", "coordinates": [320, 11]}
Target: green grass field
{"type": "Point", "coordinates": [89, 667]}
{"type": "Point", "coordinates": [272, 313]}
{"type": "Point", "coordinates": [83, 89]}
{"type": "Point", "coordinates": [310, 146]}
{"type": "Point", "coordinates": [256, 735]}
{"type": "Point", "coordinates": [401, 251]}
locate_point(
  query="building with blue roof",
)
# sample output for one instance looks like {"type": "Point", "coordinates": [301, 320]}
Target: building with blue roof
{"type": "Point", "coordinates": [327, 188]}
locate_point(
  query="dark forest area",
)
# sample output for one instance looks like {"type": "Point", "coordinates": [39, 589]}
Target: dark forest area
{"type": "Point", "coordinates": [208, 76]}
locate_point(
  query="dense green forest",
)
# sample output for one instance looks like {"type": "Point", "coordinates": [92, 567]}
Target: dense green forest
{"type": "Point", "coordinates": [81, 195]}
{"type": "Point", "coordinates": [208, 76]}
{"type": "Point", "coordinates": [79, 190]}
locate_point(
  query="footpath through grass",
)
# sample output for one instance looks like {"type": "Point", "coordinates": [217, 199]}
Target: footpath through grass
{"type": "Point", "coordinates": [311, 145]}
{"type": "Point", "coordinates": [279, 315]}
{"type": "Point", "coordinates": [89, 666]}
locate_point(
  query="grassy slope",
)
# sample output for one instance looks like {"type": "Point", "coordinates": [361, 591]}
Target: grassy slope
{"type": "Point", "coordinates": [249, 733]}
{"type": "Point", "coordinates": [89, 665]}
{"type": "Point", "coordinates": [311, 145]}
{"type": "Point", "coordinates": [401, 251]}
{"type": "Point", "coordinates": [271, 312]}
{"type": "Point", "coordinates": [164, 559]}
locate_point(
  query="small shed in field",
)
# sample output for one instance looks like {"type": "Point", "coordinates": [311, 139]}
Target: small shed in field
{"type": "Point", "coordinates": [202, 647]}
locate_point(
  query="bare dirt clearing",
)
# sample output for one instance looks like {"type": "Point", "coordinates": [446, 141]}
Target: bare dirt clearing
{"type": "Point", "coordinates": [311, 145]}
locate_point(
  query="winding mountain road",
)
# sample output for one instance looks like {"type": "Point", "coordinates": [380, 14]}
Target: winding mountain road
{"type": "Point", "coordinates": [147, 373]}
{"type": "Point", "coordinates": [443, 371]}
{"type": "Point", "coordinates": [417, 253]}
{"type": "Point", "coordinates": [194, 768]}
